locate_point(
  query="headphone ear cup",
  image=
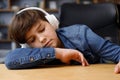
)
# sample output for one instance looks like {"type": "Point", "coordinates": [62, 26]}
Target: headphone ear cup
{"type": "Point", "coordinates": [52, 20]}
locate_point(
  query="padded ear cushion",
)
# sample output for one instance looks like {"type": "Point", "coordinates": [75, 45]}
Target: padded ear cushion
{"type": "Point", "coordinates": [52, 20]}
{"type": "Point", "coordinates": [24, 45]}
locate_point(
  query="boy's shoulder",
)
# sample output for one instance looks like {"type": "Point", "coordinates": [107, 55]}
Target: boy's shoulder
{"type": "Point", "coordinates": [73, 28]}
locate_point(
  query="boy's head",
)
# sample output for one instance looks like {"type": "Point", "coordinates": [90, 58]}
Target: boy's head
{"type": "Point", "coordinates": [27, 19]}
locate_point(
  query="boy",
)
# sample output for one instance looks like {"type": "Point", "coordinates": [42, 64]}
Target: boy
{"type": "Point", "coordinates": [49, 44]}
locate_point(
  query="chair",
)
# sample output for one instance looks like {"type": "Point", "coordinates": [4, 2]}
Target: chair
{"type": "Point", "coordinates": [101, 18]}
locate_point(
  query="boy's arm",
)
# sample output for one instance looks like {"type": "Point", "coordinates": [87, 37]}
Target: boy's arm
{"type": "Point", "coordinates": [29, 57]}
{"type": "Point", "coordinates": [105, 49]}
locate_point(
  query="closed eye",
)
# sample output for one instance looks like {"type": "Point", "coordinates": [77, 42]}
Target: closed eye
{"type": "Point", "coordinates": [31, 40]}
{"type": "Point", "coordinates": [41, 29]}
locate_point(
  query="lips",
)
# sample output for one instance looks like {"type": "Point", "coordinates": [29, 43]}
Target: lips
{"type": "Point", "coordinates": [48, 44]}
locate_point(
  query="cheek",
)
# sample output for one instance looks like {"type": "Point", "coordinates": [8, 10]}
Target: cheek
{"type": "Point", "coordinates": [51, 33]}
{"type": "Point", "coordinates": [36, 45]}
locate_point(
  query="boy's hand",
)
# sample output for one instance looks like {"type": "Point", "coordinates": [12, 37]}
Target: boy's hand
{"type": "Point", "coordinates": [66, 55]}
{"type": "Point", "coordinates": [117, 68]}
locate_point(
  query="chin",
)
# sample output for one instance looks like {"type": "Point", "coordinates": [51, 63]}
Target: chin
{"type": "Point", "coordinates": [54, 46]}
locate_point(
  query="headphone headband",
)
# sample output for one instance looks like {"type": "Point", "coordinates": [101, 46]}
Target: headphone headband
{"type": "Point", "coordinates": [32, 8]}
{"type": "Point", "coordinates": [51, 18]}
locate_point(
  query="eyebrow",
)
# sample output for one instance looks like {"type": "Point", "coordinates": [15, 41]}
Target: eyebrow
{"type": "Point", "coordinates": [39, 26]}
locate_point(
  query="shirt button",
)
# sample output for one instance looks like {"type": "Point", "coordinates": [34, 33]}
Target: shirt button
{"type": "Point", "coordinates": [31, 59]}
{"type": "Point", "coordinates": [48, 55]}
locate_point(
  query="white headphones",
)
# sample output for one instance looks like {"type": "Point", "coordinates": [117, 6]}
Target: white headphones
{"type": "Point", "coordinates": [51, 19]}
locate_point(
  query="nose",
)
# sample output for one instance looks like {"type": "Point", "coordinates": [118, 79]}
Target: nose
{"type": "Point", "coordinates": [42, 40]}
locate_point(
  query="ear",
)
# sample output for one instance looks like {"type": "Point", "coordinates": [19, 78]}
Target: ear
{"type": "Point", "coordinates": [52, 20]}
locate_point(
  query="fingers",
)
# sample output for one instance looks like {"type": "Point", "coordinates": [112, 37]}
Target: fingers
{"type": "Point", "coordinates": [80, 58]}
{"type": "Point", "coordinates": [117, 68]}
{"type": "Point", "coordinates": [83, 61]}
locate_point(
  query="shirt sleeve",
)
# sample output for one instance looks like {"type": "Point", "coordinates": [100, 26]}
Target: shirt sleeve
{"type": "Point", "coordinates": [101, 47]}
{"type": "Point", "coordinates": [29, 57]}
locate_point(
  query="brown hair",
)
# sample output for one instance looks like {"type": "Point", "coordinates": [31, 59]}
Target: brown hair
{"type": "Point", "coordinates": [22, 23]}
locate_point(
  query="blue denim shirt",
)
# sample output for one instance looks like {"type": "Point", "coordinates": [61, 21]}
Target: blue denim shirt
{"type": "Point", "coordinates": [80, 37]}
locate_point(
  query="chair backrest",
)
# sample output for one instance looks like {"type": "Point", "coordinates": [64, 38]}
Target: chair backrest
{"type": "Point", "coordinates": [101, 18]}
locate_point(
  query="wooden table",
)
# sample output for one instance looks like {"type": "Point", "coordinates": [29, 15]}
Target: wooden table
{"type": "Point", "coordinates": [76, 72]}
